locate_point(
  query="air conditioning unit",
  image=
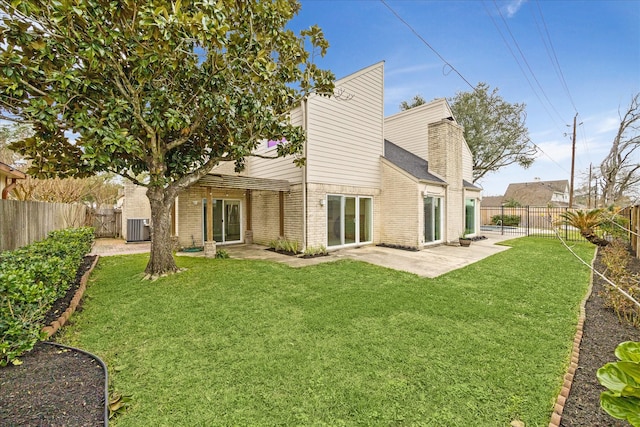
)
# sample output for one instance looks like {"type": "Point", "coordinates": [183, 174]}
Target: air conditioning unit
{"type": "Point", "coordinates": [138, 230]}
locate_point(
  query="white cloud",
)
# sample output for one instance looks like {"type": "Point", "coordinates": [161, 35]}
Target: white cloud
{"type": "Point", "coordinates": [513, 7]}
{"type": "Point", "coordinates": [554, 151]}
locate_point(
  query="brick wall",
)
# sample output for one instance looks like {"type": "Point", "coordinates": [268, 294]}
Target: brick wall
{"type": "Point", "coordinates": [190, 219]}
{"type": "Point", "coordinates": [317, 213]}
{"type": "Point", "coordinates": [401, 201]}
{"type": "Point", "coordinates": [135, 206]}
{"type": "Point", "coordinates": [445, 159]}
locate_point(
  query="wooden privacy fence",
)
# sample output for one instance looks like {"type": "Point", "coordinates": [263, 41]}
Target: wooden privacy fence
{"type": "Point", "coordinates": [632, 213]}
{"type": "Point", "coordinates": [22, 223]}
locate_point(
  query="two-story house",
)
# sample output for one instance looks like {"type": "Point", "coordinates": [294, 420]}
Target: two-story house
{"type": "Point", "coordinates": [404, 180]}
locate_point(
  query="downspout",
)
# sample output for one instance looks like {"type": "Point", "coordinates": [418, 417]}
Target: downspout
{"type": "Point", "coordinates": [8, 188]}
{"type": "Point", "coordinates": [304, 174]}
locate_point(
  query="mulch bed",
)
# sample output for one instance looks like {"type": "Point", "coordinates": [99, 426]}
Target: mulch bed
{"type": "Point", "coordinates": [602, 332]}
{"type": "Point", "coordinates": [54, 387]}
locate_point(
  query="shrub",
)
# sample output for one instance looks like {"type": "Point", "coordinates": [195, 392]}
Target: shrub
{"type": "Point", "coordinates": [315, 250]}
{"type": "Point", "coordinates": [222, 254]}
{"type": "Point", "coordinates": [284, 245]}
{"type": "Point", "coordinates": [622, 380]}
{"type": "Point", "coordinates": [615, 258]}
{"type": "Point", "coordinates": [508, 220]}
{"type": "Point", "coordinates": [32, 278]}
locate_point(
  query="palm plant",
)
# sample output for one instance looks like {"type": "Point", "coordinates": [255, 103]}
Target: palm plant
{"type": "Point", "coordinates": [586, 222]}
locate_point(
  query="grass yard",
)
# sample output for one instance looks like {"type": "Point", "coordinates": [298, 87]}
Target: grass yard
{"type": "Point", "coordinates": [238, 342]}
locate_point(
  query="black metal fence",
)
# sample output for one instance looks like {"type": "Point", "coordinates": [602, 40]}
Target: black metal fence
{"type": "Point", "coordinates": [527, 221]}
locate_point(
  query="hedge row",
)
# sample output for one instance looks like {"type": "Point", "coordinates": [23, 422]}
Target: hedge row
{"type": "Point", "coordinates": [506, 220]}
{"type": "Point", "coordinates": [32, 278]}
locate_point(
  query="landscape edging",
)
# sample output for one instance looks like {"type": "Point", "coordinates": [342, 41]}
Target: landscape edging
{"type": "Point", "coordinates": [558, 408]}
{"type": "Point", "coordinates": [60, 321]}
{"type": "Point", "coordinates": [104, 369]}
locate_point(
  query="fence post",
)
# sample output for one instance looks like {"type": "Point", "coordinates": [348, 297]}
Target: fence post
{"type": "Point", "coordinates": [502, 220]}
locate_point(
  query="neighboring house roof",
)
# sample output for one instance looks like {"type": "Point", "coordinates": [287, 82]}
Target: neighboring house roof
{"type": "Point", "coordinates": [11, 172]}
{"type": "Point", "coordinates": [538, 193]}
{"type": "Point", "coordinates": [414, 165]}
{"type": "Point", "coordinates": [492, 201]}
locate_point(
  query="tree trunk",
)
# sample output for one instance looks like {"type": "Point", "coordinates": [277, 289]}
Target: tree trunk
{"type": "Point", "coordinates": [161, 261]}
{"type": "Point", "coordinates": [594, 238]}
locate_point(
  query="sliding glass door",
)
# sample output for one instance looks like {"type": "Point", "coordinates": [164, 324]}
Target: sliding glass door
{"type": "Point", "coordinates": [432, 219]}
{"type": "Point", "coordinates": [226, 220]}
{"type": "Point", "coordinates": [349, 220]}
{"type": "Point", "coordinates": [470, 216]}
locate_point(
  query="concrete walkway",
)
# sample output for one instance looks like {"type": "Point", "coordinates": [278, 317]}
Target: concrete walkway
{"type": "Point", "coordinates": [429, 262]}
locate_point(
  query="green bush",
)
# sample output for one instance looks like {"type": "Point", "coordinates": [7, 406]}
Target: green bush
{"type": "Point", "coordinates": [622, 380]}
{"type": "Point", "coordinates": [32, 278]}
{"type": "Point", "coordinates": [284, 245]}
{"type": "Point", "coordinates": [508, 220]}
{"type": "Point", "coordinates": [315, 250]}
{"type": "Point", "coordinates": [222, 254]}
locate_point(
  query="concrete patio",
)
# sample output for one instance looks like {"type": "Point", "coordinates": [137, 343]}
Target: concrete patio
{"type": "Point", "coordinates": [429, 262]}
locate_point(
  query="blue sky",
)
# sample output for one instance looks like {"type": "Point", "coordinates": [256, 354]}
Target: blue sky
{"type": "Point", "coordinates": [595, 43]}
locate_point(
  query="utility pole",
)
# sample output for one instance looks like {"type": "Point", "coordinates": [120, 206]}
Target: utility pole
{"type": "Point", "coordinates": [573, 161]}
{"type": "Point", "coordinates": [590, 178]}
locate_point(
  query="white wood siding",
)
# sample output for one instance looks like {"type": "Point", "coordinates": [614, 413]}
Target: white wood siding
{"type": "Point", "coordinates": [281, 168]}
{"type": "Point", "coordinates": [467, 162]}
{"type": "Point", "coordinates": [345, 133]}
{"type": "Point", "coordinates": [410, 129]}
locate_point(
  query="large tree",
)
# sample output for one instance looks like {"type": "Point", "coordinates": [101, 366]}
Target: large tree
{"type": "Point", "coordinates": [494, 129]}
{"type": "Point", "coordinates": [415, 102]}
{"type": "Point", "coordinates": [161, 89]}
{"type": "Point", "coordinates": [620, 170]}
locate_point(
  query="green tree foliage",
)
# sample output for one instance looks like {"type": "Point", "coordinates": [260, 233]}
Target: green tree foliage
{"type": "Point", "coordinates": [168, 89]}
{"type": "Point", "coordinates": [9, 134]}
{"type": "Point", "coordinates": [415, 101]}
{"type": "Point", "coordinates": [494, 130]}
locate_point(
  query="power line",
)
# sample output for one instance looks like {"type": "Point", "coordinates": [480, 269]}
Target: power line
{"type": "Point", "coordinates": [554, 61]}
{"type": "Point", "coordinates": [524, 58]}
{"type": "Point", "coordinates": [426, 43]}
{"type": "Point", "coordinates": [447, 63]}
{"type": "Point", "coordinates": [397, 15]}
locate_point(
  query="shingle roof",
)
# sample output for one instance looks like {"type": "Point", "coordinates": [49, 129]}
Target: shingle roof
{"type": "Point", "coordinates": [492, 201]}
{"type": "Point", "coordinates": [467, 184]}
{"type": "Point", "coordinates": [409, 162]}
{"type": "Point", "coordinates": [537, 193]}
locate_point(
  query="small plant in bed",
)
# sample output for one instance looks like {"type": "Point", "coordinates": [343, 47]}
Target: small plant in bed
{"type": "Point", "coordinates": [284, 246]}
{"type": "Point", "coordinates": [315, 251]}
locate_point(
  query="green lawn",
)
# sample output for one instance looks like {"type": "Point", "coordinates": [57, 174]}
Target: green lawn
{"type": "Point", "coordinates": [235, 342]}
